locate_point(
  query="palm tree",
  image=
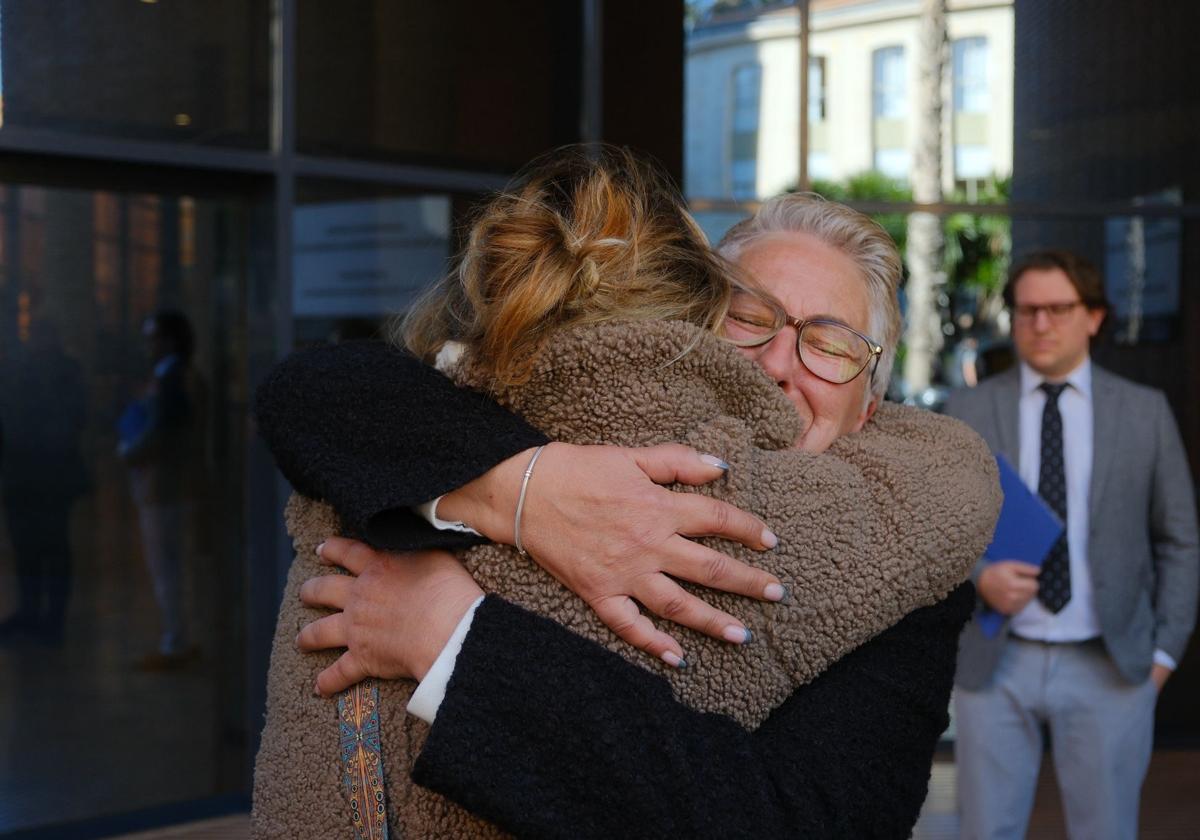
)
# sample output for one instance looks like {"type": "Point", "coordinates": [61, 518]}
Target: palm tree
{"type": "Point", "coordinates": [923, 332]}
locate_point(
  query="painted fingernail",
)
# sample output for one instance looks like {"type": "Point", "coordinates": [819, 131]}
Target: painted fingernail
{"type": "Point", "coordinates": [714, 461]}
{"type": "Point", "coordinates": [320, 547]}
{"type": "Point", "coordinates": [769, 539]}
{"type": "Point", "coordinates": [738, 635]}
{"type": "Point", "coordinates": [774, 591]}
{"type": "Point", "coordinates": [674, 660]}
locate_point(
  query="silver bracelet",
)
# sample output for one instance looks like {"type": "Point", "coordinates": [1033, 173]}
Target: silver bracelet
{"type": "Point", "coordinates": [537, 453]}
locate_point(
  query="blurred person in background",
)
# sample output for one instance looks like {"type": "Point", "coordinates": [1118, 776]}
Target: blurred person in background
{"type": "Point", "coordinates": [158, 440]}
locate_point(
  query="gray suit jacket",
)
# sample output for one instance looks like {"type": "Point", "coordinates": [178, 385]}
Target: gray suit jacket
{"type": "Point", "coordinates": [1142, 547]}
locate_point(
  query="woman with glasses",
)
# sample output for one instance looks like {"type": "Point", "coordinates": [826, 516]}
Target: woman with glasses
{"type": "Point", "coordinates": [587, 301]}
{"type": "Point", "coordinates": [830, 350]}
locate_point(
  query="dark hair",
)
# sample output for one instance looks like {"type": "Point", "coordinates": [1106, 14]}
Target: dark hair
{"type": "Point", "coordinates": [174, 326]}
{"type": "Point", "coordinates": [1081, 271]}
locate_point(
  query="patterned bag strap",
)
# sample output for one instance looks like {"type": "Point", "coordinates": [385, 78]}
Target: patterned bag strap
{"type": "Point", "coordinates": [362, 760]}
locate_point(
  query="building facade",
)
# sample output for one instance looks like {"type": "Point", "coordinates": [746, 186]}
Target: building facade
{"type": "Point", "coordinates": [744, 97]}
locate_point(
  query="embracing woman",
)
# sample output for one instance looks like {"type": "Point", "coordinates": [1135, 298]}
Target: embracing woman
{"type": "Point", "coordinates": [587, 301]}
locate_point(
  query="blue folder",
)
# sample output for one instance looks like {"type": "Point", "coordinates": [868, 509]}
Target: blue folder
{"type": "Point", "coordinates": [1026, 530]}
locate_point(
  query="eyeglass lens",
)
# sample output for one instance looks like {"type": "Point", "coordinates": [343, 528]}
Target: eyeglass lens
{"type": "Point", "coordinates": [831, 351]}
{"type": "Point", "coordinates": [1029, 312]}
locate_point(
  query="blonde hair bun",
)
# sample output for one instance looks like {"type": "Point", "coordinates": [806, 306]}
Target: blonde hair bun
{"type": "Point", "coordinates": [584, 235]}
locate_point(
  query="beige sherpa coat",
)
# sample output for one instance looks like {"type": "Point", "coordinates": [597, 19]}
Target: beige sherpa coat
{"type": "Point", "coordinates": [888, 520]}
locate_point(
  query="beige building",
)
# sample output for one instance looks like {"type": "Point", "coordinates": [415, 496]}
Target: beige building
{"type": "Point", "coordinates": [743, 98]}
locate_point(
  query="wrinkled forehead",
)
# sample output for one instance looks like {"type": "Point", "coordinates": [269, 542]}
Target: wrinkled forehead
{"type": "Point", "coordinates": [809, 277]}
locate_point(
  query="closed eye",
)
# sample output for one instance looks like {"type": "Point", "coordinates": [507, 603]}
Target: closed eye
{"type": "Point", "coordinates": [841, 351]}
{"type": "Point", "coordinates": [751, 320]}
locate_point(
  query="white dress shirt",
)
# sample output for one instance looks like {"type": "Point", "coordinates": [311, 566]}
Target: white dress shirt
{"type": "Point", "coordinates": [1077, 620]}
{"type": "Point", "coordinates": [427, 698]}
{"type": "Point", "coordinates": [428, 512]}
{"type": "Point", "coordinates": [431, 691]}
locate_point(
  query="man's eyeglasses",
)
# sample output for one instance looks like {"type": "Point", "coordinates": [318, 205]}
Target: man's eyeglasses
{"type": "Point", "coordinates": [830, 350]}
{"type": "Point", "coordinates": [1057, 312]}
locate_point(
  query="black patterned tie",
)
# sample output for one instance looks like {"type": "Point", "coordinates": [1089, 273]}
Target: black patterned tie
{"type": "Point", "coordinates": [1054, 581]}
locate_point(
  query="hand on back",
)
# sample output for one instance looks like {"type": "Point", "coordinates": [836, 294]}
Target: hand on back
{"type": "Point", "coordinates": [396, 612]}
{"type": "Point", "coordinates": [597, 519]}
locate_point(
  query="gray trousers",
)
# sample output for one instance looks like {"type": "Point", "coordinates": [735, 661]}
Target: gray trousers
{"type": "Point", "coordinates": [1101, 735]}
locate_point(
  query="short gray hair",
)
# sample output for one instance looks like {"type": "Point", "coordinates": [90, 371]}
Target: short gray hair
{"type": "Point", "coordinates": [855, 235]}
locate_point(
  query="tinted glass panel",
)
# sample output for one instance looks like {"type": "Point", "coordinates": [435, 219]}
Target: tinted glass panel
{"type": "Point", "coordinates": [189, 72]}
{"type": "Point", "coordinates": [362, 254]}
{"type": "Point", "coordinates": [122, 558]}
{"type": "Point", "coordinates": [484, 84]}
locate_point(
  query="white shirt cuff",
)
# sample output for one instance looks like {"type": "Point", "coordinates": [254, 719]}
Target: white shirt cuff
{"type": "Point", "coordinates": [428, 512]}
{"type": "Point", "coordinates": [427, 699]}
{"type": "Point", "coordinates": [1161, 657]}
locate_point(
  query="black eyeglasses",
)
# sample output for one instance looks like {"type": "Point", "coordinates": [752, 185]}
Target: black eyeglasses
{"type": "Point", "coordinates": [1057, 312]}
{"type": "Point", "coordinates": [829, 349]}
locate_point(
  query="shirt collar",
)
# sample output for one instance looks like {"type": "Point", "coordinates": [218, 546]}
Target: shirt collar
{"type": "Point", "coordinates": [449, 355]}
{"type": "Point", "coordinates": [1079, 379]}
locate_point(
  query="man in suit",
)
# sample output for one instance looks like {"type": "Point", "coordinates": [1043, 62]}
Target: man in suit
{"type": "Point", "coordinates": [1091, 638]}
